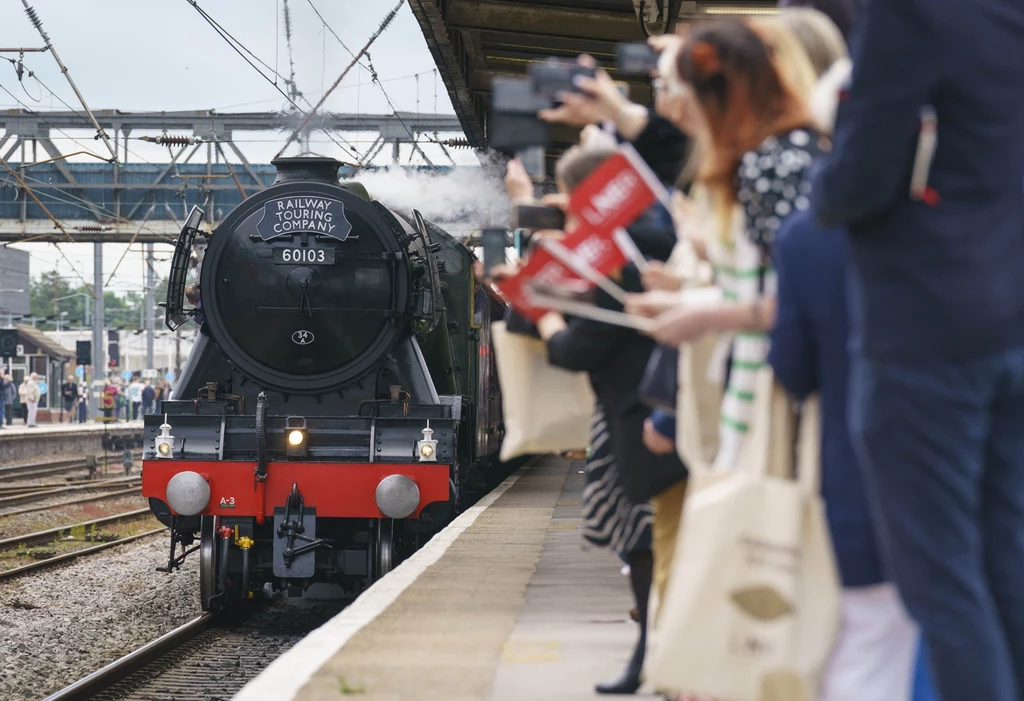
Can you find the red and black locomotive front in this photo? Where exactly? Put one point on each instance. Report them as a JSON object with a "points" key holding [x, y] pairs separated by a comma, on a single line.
{"points": [[305, 440]]}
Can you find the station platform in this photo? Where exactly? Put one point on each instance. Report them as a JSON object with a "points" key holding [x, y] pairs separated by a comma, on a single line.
{"points": [[68, 429], [503, 605], [20, 444]]}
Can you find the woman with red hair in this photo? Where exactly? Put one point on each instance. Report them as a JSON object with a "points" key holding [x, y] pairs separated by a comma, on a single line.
{"points": [[758, 142]]}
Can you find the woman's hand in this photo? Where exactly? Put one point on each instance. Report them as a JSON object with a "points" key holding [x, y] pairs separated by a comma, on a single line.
{"points": [[657, 276], [665, 42], [550, 324], [681, 325], [655, 442], [599, 100], [518, 184], [652, 304]]}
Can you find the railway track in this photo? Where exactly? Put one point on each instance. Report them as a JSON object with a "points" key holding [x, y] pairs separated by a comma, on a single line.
{"points": [[50, 535], [27, 495], [212, 656], [89, 687], [51, 467]]}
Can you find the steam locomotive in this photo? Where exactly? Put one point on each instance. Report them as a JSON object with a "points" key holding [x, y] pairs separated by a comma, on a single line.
{"points": [[341, 401]]}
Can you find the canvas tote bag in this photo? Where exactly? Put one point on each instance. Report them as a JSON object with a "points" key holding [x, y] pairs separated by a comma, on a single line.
{"points": [[546, 409], [752, 605]]}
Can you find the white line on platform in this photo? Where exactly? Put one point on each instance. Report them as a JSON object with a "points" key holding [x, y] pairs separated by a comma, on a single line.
{"points": [[289, 672]]}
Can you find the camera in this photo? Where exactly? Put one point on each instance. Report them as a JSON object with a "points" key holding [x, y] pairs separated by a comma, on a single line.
{"points": [[515, 125], [530, 216], [555, 76], [635, 57]]}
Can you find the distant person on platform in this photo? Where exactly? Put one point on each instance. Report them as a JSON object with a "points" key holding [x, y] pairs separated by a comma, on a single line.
{"points": [[23, 399], [68, 399], [135, 397], [148, 398], [10, 395], [32, 399], [109, 400], [3, 399], [83, 402]]}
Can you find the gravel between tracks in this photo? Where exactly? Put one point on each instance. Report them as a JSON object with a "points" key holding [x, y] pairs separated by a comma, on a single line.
{"points": [[59, 625], [22, 524]]}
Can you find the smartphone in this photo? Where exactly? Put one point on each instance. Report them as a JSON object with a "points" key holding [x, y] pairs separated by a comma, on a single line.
{"points": [[635, 57], [514, 124], [555, 76], [533, 161], [531, 216], [493, 243]]}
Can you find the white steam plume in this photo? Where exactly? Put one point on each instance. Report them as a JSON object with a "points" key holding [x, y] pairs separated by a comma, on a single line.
{"points": [[470, 198]]}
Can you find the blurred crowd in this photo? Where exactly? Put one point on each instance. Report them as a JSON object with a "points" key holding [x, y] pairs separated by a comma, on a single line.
{"points": [[119, 400], [866, 263]]}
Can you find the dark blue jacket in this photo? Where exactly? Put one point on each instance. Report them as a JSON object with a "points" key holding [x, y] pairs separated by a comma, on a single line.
{"points": [[809, 354], [942, 281]]}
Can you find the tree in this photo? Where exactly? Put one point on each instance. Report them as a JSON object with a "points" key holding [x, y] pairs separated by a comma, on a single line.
{"points": [[51, 294]]}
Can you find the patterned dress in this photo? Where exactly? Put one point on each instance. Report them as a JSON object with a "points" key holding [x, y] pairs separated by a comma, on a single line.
{"points": [[771, 184], [610, 519]]}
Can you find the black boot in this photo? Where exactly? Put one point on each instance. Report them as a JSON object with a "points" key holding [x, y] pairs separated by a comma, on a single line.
{"points": [[641, 570], [629, 681]]}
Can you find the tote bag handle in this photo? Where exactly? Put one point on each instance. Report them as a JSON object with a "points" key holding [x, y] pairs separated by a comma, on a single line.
{"points": [[783, 443]]}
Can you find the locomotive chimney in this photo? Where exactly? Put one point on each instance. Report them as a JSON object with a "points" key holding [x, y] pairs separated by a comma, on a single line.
{"points": [[318, 169]]}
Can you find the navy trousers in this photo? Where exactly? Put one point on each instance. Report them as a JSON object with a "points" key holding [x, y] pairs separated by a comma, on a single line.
{"points": [[942, 447]]}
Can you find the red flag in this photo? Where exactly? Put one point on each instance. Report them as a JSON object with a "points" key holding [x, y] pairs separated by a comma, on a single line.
{"points": [[587, 246], [614, 195], [541, 267]]}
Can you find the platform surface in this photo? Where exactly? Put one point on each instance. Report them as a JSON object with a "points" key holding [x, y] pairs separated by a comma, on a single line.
{"points": [[58, 429], [504, 605]]}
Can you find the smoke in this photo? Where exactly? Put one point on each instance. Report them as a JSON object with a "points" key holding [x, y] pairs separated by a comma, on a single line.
{"points": [[472, 198]]}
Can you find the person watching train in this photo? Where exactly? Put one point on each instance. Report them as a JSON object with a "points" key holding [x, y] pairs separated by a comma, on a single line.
{"points": [[937, 319], [621, 474]]}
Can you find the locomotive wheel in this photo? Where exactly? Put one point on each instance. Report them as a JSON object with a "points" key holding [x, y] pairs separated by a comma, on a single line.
{"points": [[384, 546], [208, 561]]}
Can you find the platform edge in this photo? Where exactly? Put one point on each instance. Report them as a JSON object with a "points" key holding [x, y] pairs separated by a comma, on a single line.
{"points": [[283, 678]]}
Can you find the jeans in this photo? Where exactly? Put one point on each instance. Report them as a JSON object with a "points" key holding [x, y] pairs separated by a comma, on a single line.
{"points": [[942, 450], [3, 412]]}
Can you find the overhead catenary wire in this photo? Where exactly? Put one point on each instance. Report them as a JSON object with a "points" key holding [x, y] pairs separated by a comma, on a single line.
{"points": [[242, 50], [54, 219], [74, 111], [333, 33], [68, 198], [50, 124], [374, 78], [37, 23], [388, 18]]}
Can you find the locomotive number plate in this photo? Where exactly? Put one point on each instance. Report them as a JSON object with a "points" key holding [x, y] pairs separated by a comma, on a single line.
{"points": [[304, 256]]}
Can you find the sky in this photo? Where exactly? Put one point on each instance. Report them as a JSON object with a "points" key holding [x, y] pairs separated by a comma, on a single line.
{"points": [[137, 55]]}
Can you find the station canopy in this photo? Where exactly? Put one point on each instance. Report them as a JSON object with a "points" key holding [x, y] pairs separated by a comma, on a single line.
{"points": [[474, 41]]}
